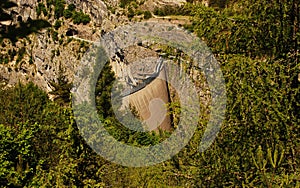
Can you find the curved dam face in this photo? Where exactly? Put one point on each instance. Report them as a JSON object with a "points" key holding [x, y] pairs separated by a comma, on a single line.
{"points": [[151, 103]]}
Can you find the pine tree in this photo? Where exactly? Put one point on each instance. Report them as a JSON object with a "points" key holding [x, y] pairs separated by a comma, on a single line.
{"points": [[61, 88]]}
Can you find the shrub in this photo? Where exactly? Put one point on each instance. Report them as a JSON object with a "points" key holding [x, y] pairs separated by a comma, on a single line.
{"points": [[41, 8], [71, 7], [50, 2], [139, 12], [124, 3], [59, 8], [4, 60], [80, 17], [85, 19], [57, 24], [68, 13], [147, 15], [130, 13], [54, 35]]}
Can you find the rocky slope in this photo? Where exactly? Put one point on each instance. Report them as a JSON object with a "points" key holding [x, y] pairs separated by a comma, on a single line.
{"points": [[39, 57], [42, 54]]}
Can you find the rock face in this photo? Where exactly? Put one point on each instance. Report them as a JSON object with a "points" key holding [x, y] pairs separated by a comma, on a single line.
{"points": [[51, 48], [26, 9], [95, 8], [41, 57]]}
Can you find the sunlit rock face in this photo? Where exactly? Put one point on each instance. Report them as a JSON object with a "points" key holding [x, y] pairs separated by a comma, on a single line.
{"points": [[44, 54], [50, 49]]}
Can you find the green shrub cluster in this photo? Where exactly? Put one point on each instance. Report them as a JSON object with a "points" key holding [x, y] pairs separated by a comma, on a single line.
{"points": [[77, 17], [124, 3], [41, 8], [32, 131], [261, 34], [59, 8], [57, 24], [69, 12], [4, 60], [80, 17], [54, 35], [147, 15], [170, 10]]}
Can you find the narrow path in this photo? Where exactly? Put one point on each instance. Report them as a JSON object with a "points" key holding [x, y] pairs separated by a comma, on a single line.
{"points": [[85, 40], [172, 19]]}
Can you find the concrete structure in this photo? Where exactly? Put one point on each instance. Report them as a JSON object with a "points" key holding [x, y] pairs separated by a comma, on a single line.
{"points": [[150, 98], [151, 103]]}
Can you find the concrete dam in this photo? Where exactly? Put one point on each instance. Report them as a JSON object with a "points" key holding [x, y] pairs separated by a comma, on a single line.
{"points": [[149, 95], [151, 103]]}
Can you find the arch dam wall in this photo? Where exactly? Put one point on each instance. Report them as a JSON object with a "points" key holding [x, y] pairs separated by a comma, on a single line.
{"points": [[151, 103]]}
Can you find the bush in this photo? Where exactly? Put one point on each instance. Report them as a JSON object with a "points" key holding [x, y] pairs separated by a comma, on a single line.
{"points": [[124, 3], [139, 12], [4, 60], [54, 35], [50, 2], [80, 17], [85, 19], [59, 8], [13, 106], [71, 7], [147, 15], [18, 158], [68, 13], [130, 13], [57, 24], [41, 8], [167, 10]]}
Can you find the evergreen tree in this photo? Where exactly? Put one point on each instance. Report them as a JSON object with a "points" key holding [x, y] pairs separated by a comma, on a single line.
{"points": [[61, 88]]}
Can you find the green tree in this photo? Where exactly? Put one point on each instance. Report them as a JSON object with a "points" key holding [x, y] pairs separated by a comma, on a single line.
{"points": [[18, 158], [61, 88], [103, 91], [22, 104], [57, 24], [59, 8], [80, 17], [41, 8], [147, 15], [68, 13], [71, 7]]}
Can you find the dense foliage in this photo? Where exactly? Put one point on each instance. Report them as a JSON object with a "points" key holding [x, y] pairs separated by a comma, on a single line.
{"points": [[257, 45], [61, 10]]}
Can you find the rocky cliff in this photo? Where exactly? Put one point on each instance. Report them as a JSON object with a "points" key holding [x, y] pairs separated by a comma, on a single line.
{"points": [[38, 57]]}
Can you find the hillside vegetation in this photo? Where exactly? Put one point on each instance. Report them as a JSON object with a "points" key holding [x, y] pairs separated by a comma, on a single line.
{"points": [[257, 44]]}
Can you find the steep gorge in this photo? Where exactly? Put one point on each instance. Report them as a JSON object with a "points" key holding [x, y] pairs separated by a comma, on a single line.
{"points": [[43, 57]]}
